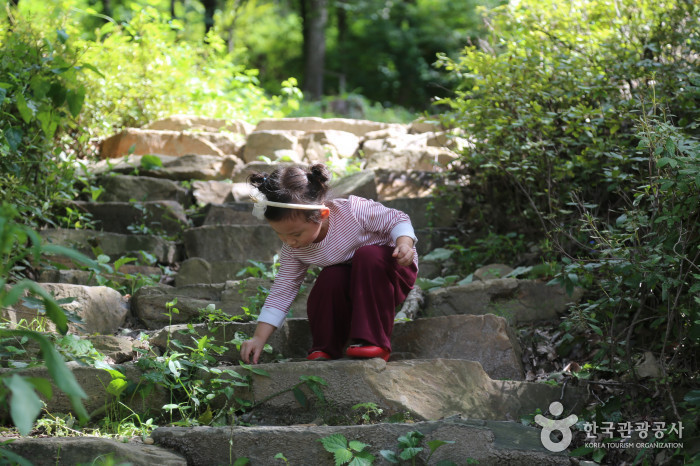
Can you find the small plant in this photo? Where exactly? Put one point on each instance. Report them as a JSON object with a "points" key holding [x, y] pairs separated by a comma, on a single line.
{"points": [[370, 410], [353, 452], [410, 447]]}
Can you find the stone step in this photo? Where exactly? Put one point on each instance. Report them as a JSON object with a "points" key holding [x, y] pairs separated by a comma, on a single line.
{"points": [[174, 143], [114, 245], [50, 451], [482, 442], [486, 339], [148, 304], [231, 242], [426, 389], [158, 217], [123, 188], [176, 168], [516, 300]]}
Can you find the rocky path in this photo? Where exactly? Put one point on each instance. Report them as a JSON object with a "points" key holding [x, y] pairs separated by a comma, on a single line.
{"points": [[174, 197]]}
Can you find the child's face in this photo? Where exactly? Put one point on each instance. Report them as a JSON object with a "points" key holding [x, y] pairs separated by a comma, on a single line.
{"points": [[297, 232]]}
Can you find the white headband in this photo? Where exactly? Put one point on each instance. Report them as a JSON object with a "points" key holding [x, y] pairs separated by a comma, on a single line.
{"points": [[261, 204]]}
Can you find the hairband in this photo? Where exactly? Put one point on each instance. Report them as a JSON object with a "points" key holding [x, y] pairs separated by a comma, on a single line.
{"points": [[261, 204]]}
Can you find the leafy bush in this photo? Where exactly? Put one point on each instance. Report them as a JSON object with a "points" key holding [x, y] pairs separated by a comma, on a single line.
{"points": [[147, 73], [40, 98], [585, 119]]}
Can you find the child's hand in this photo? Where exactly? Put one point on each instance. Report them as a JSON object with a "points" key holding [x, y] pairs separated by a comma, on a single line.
{"points": [[404, 250], [253, 346]]}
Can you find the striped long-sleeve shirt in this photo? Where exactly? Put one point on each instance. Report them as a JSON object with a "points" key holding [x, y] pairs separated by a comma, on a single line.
{"points": [[353, 223]]}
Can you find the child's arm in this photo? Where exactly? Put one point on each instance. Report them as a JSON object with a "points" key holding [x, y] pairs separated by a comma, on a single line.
{"points": [[256, 344], [404, 250]]}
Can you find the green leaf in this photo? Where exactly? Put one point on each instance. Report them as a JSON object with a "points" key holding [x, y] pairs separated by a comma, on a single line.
{"points": [[581, 451], [116, 387], [334, 442], [75, 99], [42, 385], [254, 370], [151, 162], [61, 35], [25, 405], [342, 456], [241, 461], [25, 112], [435, 444], [13, 136], [363, 458], [410, 452], [13, 457], [390, 456], [357, 445], [299, 396]]}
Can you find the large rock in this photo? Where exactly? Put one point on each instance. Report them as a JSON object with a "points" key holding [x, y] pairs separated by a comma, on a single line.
{"points": [[114, 245], [393, 184], [269, 143], [196, 270], [485, 443], [426, 158], [429, 389], [328, 145], [427, 212], [183, 168], [308, 124], [258, 166], [232, 242], [149, 302], [51, 451], [123, 188], [516, 300], [166, 217], [101, 309], [175, 143], [486, 339], [199, 123], [233, 213], [360, 184]]}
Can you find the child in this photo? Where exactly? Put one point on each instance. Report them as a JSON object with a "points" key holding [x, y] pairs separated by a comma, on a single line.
{"points": [[368, 259]]}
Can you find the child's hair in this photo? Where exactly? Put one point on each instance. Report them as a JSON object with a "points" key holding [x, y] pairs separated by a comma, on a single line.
{"points": [[293, 185]]}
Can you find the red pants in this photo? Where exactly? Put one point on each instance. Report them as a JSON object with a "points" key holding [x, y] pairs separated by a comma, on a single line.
{"points": [[358, 300]]}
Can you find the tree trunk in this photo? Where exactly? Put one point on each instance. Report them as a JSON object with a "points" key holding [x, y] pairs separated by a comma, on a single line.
{"points": [[342, 18], [314, 17], [209, 10], [172, 9]]}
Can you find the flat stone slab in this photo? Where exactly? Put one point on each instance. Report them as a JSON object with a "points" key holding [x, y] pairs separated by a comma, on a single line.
{"points": [[516, 300], [149, 302], [232, 242], [115, 245], [487, 443], [486, 339], [162, 217], [232, 213], [429, 389], [308, 124], [185, 167], [196, 270], [175, 143], [123, 188], [51, 451]]}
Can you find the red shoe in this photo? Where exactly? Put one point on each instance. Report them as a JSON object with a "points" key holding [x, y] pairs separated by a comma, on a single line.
{"points": [[368, 351], [318, 355]]}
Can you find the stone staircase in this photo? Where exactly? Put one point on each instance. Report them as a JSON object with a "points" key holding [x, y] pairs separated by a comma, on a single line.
{"points": [[455, 373]]}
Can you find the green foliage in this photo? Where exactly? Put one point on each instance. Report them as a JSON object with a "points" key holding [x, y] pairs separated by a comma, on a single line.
{"points": [[40, 98], [353, 453], [18, 243], [410, 447]]}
